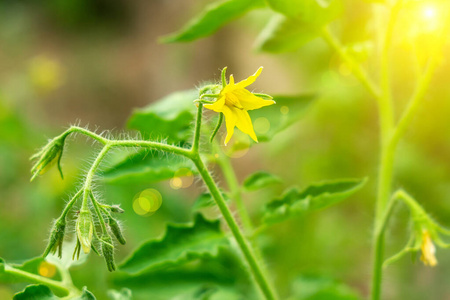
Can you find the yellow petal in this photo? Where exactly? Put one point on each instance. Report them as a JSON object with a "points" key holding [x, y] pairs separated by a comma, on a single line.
{"points": [[216, 106], [232, 100], [250, 79], [231, 80], [230, 122], [250, 101], [428, 250], [244, 123]]}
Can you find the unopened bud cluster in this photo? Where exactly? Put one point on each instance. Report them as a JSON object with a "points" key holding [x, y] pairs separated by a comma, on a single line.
{"points": [[48, 156]]}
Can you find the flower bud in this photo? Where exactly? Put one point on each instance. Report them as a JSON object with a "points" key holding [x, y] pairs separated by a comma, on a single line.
{"points": [[108, 252], [116, 209], [85, 229], [428, 250], [115, 229], [49, 155], [56, 238]]}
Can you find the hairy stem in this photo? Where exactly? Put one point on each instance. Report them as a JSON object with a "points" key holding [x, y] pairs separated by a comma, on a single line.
{"points": [[196, 140], [63, 287], [244, 245], [233, 185], [90, 175]]}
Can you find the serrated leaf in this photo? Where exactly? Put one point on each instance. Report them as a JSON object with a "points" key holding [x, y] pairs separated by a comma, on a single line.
{"points": [[169, 118], [42, 292], [147, 166], [180, 244], [314, 197], [214, 16], [311, 287], [297, 25], [260, 180], [223, 273], [286, 111]]}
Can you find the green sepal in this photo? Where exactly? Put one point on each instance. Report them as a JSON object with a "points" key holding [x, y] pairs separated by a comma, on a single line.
{"points": [[108, 252], [47, 156], [116, 230], [56, 238]]}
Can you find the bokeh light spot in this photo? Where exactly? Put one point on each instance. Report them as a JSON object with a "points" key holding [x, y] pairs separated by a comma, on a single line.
{"points": [[147, 202], [183, 178], [262, 125], [284, 110], [238, 146], [47, 269], [176, 183]]}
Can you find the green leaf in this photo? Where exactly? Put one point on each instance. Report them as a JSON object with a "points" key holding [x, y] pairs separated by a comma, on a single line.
{"points": [[311, 287], [147, 166], [42, 292], [316, 12], [314, 197], [222, 276], [298, 25], [169, 118], [29, 266], [260, 180], [206, 200], [277, 117], [282, 34], [180, 244], [123, 294], [36, 292], [214, 16]]}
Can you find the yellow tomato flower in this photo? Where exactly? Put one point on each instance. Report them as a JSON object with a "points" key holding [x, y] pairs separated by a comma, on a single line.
{"points": [[428, 250], [234, 101]]}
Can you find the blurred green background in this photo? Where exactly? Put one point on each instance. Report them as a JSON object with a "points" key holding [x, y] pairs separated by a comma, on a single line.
{"points": [[66, 62]]}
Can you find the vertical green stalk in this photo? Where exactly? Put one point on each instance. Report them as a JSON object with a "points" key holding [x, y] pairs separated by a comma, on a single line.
{"points": [[233, 185], [196, 142], [90, 175], [244, 245], [241, 240], [390, 136]]}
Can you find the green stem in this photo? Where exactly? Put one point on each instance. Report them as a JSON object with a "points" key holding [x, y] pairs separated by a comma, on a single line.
{"points": [[90, 175], [196, 141], [385, 103], [416, 100], [86, 132], [358, 72], [70, 204], [58, 286], [390, 136], [233, 185], [244, 245], [153, 145]]}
